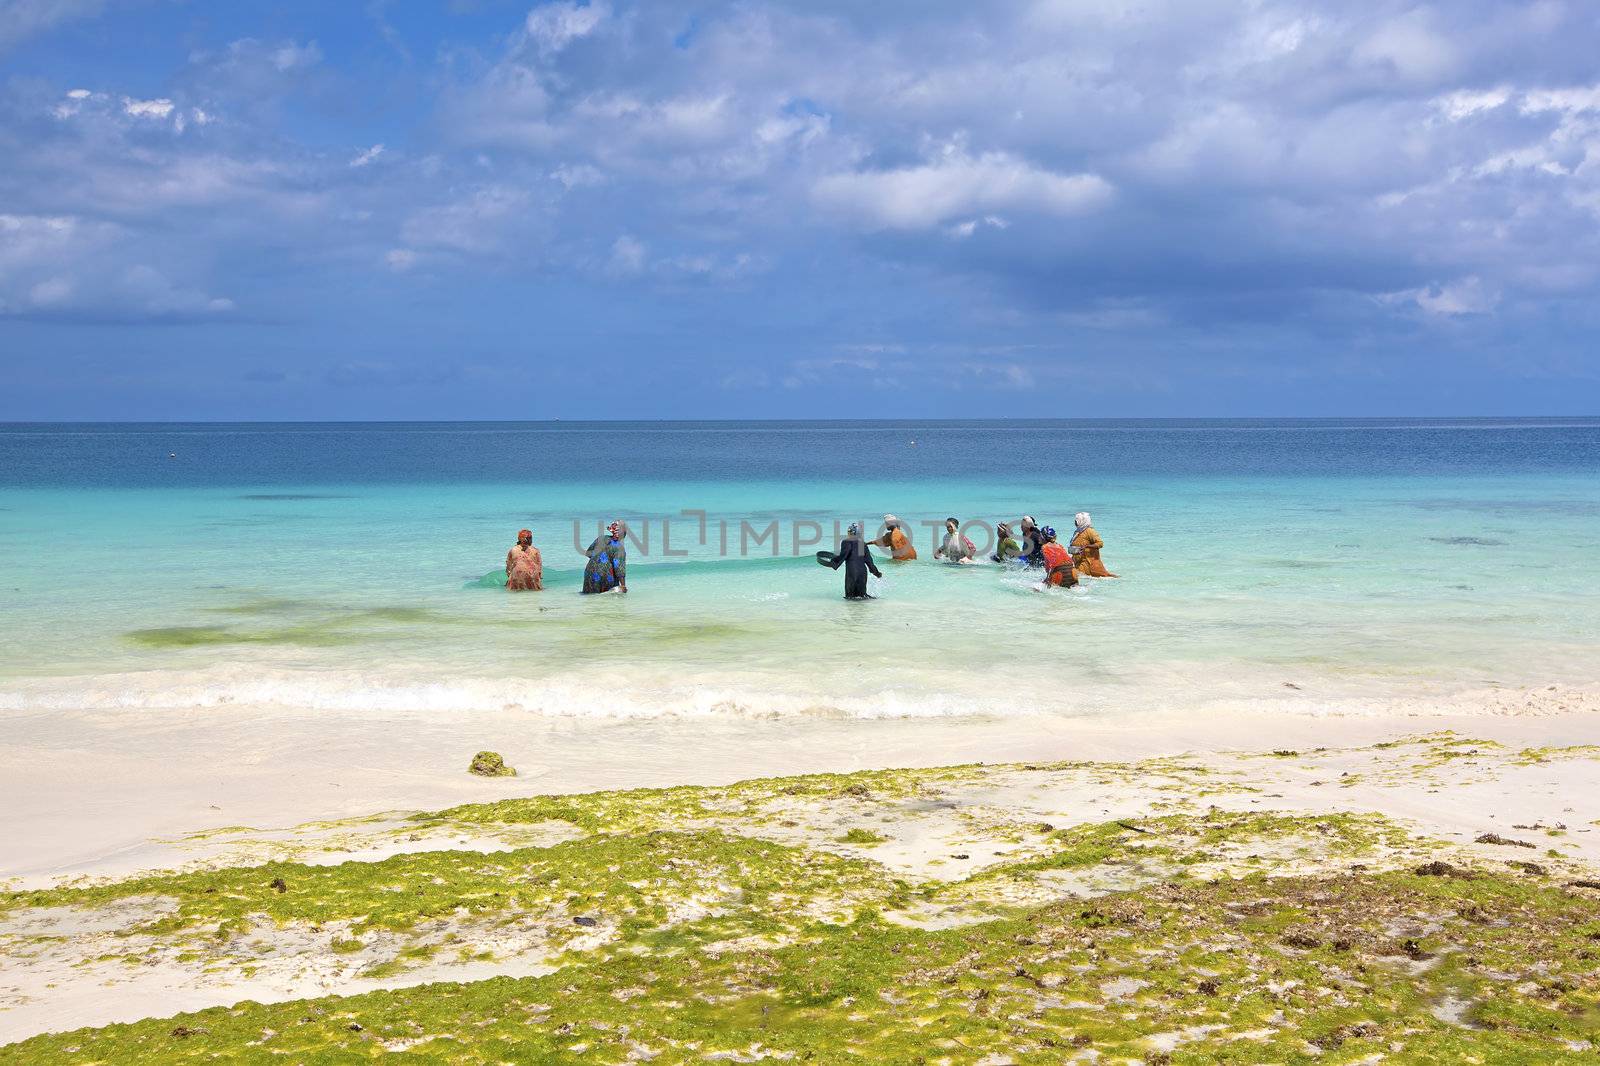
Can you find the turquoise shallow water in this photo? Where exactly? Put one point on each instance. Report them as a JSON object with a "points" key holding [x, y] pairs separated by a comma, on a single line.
{"points": [[1317, 565]]}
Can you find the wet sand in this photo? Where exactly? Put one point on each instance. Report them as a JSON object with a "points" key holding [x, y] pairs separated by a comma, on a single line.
{"points": [[95, 792]]}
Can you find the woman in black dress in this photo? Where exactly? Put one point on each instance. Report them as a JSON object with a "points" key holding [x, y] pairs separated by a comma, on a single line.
{"points": [[856, 558]]}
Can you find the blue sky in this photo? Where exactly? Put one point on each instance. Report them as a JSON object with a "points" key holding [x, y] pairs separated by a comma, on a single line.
{"points": [[1062, 208]]}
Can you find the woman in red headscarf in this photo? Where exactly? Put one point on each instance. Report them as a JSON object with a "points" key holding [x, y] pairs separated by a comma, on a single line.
{"points": [[524, 569]]}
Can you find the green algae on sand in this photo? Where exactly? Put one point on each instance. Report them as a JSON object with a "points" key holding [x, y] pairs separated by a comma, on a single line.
{"points": [[736, 923], [1405, 967], [490, 764], [205, 636]]}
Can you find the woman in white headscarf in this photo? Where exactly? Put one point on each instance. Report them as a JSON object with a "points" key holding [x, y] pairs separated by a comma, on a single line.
{"points": [[896, 539], [1032, 542], [1085, 548]]}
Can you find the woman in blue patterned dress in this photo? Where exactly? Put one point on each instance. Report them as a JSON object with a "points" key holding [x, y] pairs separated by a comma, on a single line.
{"points": [[608, 561]]}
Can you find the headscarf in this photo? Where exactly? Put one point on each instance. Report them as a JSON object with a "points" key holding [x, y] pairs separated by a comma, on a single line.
{"points": [[1004, 529], [1029, 520], [1047, 534], [1081, 519], [614, 530], [890, 520], [854, 530], [524, 534]]}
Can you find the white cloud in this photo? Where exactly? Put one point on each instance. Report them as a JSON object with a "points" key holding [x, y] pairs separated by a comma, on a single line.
{"points": [[400, 260], [1001, 376], [702, 267], [34, 247], [1114, 315], [292, 56], [367, 157], [1466, 296], [143, 113], [957, 184], [1411, 47], [251, 67], [745, 378], [138, 184], [694, 117], [963, 230], [577, 176], [627, 256], [477, 222], [507, 107], [146, 108], [56, 264], [1569, 150], [675, 119], [51, 292], [806, 372], [154, 294], [801, 130], [551, 27], [72, 104], [1464, 104], [1572, 101]]}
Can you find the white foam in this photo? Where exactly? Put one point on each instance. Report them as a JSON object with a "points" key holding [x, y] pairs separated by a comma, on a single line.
{"points": [[644, 693], [555, 697]]}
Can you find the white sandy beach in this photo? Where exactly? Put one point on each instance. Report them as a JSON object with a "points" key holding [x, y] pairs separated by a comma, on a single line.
{"points": [[107, 794], [95, 792]]}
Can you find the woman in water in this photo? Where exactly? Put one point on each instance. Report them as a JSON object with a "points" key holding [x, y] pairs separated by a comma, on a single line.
{"points": [[524, 570], [1005, 549], [608, 561], [1085, 548], [856, 558], [956, 547], [895, 539], [1032, 541], [1058, 569]]}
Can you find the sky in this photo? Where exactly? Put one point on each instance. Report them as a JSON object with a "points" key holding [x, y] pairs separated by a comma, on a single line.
{"points": [[480, 209]]}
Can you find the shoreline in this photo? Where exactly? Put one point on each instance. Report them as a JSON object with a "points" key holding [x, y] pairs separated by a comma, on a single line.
{"points": [[95, 793]]}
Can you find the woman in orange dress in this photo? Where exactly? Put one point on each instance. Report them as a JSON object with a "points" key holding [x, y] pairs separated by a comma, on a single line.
{"points": [[524, 569], [1058, 569], [1085, 548], [895, 539]]}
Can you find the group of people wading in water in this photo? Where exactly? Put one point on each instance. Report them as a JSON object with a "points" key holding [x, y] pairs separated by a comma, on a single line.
{"points": [[1030, 546], [606, 570], [1038, 548]]}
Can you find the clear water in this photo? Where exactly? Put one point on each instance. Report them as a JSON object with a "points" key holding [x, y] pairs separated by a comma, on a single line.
{"points": [[1316, 564]]}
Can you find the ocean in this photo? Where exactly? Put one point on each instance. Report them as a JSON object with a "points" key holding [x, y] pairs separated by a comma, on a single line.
{"points": [[1308, 565]]}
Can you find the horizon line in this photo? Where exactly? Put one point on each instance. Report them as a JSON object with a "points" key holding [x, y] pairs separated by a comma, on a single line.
{"points": [[10, 423]]}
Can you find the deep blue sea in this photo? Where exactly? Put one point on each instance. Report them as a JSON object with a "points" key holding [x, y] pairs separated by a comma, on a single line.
{"points": [[1309, 564]]}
